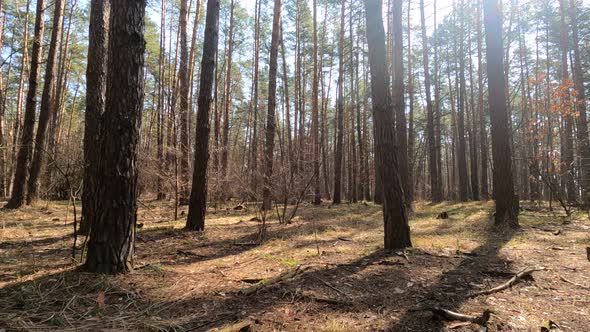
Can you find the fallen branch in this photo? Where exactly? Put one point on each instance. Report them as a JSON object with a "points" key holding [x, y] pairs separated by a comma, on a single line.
{"points": [[265, 283], [449, 315], [573, 283], [509, 283]]}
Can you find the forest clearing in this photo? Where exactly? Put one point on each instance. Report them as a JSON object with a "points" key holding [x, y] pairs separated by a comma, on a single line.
{"points": [[188, 281]]}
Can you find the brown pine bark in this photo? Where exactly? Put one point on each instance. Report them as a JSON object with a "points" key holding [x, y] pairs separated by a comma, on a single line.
{"points": [[46, 105], [270, 113], [397, 231], [198, 199], [506, 213], [112, 235], [17, 199], [96, 83], [20, 93]]}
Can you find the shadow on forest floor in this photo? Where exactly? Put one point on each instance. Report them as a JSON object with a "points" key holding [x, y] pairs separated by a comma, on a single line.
{"points": [[189, 281]]}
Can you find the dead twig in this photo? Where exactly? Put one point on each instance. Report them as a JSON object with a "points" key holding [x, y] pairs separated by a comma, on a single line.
{"points": [[564, 279], [449, 315], [509, 283]]}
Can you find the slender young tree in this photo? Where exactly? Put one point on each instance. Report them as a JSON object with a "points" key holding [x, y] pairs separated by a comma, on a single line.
{"points": [[184, 91], [270, 113], [96, 83], [17, 199], [398, 99], [112, 235], [227, 101], [198, 200], [435, 185], [337, 199], [315, 117], [506, 213], [395, 218]]}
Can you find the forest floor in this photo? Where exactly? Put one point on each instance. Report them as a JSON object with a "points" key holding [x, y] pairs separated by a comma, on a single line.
{"points": [[336, 276]]}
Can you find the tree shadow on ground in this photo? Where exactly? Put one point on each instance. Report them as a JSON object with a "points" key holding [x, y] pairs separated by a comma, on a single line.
{"points": [[484, 266]]}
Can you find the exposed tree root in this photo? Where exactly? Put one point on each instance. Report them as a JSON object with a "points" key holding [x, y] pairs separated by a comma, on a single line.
{"points": [[265, 283], [445, 314]]}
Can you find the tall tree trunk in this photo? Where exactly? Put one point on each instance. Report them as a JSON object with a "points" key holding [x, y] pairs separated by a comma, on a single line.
{"points": [[96, 84], [46, 105], [398, 99], [270, 114], [315, 117], [2, 113], [506, 213], [582, 122], [473, 124], [25, 151], [254, 140], [184, 91], [337, 199], [463, 179], [161, 104], [228, 103], [411, 136], [568, 152], [198, 199], [20, 94], [112, 235], [480, 105], [395, 218]]}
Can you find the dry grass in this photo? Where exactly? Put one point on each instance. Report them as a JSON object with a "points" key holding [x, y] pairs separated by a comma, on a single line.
{"points": [[189, 281]]}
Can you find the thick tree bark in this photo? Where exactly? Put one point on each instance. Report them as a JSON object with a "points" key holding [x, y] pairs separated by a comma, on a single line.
{"points": [[96, 84], [112, 235], [46, 105], [506, 213], [270, 113], [25, 151], [397, 231], [337, 199], [198, 200]]}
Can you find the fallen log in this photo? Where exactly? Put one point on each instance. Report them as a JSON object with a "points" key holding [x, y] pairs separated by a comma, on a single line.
{"points": [[268, 282], [509, 283]]}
